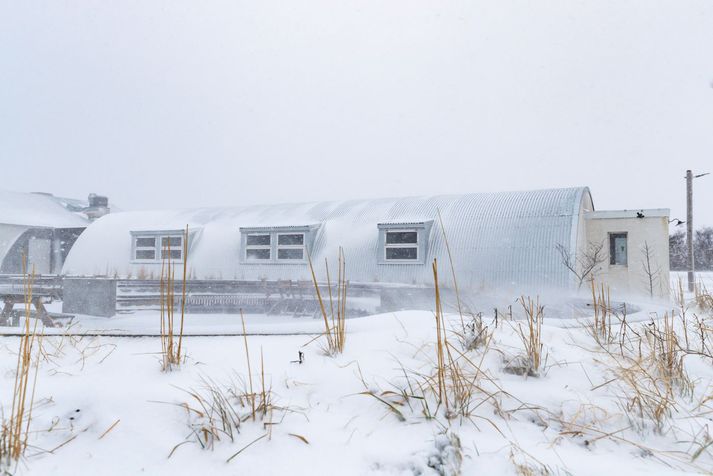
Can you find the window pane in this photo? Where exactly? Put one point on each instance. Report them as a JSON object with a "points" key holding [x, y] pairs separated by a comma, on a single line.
{"points": [[145, 242], [175, 254], [145, 254], [175, 241], [402, 253], [291, 239], [618, 249], [290, 253], [258, 254], [400, 237], [258, 240]]}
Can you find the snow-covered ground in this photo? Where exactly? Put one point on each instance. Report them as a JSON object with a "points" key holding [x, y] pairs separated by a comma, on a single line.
{"points": [[704, 277], [579, 416]]}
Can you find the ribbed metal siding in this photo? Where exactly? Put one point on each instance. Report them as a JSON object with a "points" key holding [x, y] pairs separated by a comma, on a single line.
{"points": [[496, 238]]}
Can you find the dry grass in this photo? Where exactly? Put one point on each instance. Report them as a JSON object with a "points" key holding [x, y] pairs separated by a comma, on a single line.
{"points": [[531, 336], [16, 429], [455, 386], [334, 322], [648, 378], [459, 385], [216, 412], [650, 375], [646, 386], [171, 337], [703, 298], [453, 272], [527, 465], [476, 334], [601, 304]]}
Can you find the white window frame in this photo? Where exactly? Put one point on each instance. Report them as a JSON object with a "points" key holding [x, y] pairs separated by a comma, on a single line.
{"points": [[308, 233], [172, 248], [158, 237], [612, 248], [388, 246], [422, 229], [136, 248], [247, 248], [302, 247]]}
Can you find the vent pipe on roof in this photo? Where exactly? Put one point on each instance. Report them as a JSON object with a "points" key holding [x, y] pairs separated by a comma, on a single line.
{"points": [[98, 206]]}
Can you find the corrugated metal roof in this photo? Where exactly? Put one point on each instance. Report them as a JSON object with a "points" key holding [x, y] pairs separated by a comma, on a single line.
{"points": [[496, 239]]}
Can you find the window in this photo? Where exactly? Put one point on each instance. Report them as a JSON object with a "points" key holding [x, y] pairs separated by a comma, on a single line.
{"points": [[283, 244], [618, 249], [145, 248], [257, 247], [171, 247], [155, 246], [403, 243], [290, 246]]}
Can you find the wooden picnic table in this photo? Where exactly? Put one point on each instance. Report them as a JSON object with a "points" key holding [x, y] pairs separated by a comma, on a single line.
{"points": [[44, 288]]}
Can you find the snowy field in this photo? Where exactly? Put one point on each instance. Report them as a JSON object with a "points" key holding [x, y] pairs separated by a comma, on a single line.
{"points": [[594, 406], [703, 277]]}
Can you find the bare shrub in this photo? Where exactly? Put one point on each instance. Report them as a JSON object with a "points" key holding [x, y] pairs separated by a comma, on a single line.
{"points": [[583, 265], [652, 271]]}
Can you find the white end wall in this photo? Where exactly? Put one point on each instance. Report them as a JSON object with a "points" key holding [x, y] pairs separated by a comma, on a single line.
{"points": [[632, 278], [8, 236]]}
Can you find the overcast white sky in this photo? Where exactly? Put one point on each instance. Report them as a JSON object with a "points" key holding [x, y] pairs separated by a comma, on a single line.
{"points": [[182, 104]]}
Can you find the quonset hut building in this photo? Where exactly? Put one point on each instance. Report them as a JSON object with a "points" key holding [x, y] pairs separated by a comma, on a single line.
{"points": [[42, 228], [509, 242]]}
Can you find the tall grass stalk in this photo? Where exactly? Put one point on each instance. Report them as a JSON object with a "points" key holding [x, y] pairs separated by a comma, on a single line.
{"points": [[601, 304], [334, 320], [532, 335], [456, 383], [247, 358], [171, 343], [453, 271], [217, 411], [441, 340], [15, 431]]}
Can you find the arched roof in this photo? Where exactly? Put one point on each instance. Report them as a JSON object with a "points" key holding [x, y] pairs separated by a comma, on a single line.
{"points": [[38, 210], [505, 238]]}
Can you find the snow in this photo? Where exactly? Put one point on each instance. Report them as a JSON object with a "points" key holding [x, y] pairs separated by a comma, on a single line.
{"points": [[490, 236], [537, 421], [33, 209]]}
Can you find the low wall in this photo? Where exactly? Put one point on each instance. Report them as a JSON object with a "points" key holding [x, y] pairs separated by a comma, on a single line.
{"points": [[92, 296]]}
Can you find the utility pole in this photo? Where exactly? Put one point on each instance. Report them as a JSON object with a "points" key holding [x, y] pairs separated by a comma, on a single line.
{"points": [[689, 231], [689, 228]]}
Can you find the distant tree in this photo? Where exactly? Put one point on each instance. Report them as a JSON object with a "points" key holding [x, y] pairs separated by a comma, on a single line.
{"points": [[702, 250], [677, 250], [583, 265]]}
